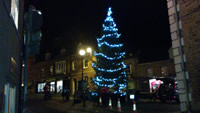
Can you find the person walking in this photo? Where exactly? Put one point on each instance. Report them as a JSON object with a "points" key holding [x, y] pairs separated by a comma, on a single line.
{"points": [[46, 91], [64, 93], [67, 95]]}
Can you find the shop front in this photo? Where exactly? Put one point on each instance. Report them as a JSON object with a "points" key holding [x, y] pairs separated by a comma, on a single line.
{"points": [[55, 86]]}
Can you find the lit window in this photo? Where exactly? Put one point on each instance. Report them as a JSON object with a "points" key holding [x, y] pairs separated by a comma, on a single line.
{"points": [[149, 72], [13, 65], [51, 70], [59, 86], [61, 67], [15, 11], [64, 67], [40, 87], [164, 70], [74, 65], [129, 69], [85, 63], [85, 78], [42, 72], [52, 86]]}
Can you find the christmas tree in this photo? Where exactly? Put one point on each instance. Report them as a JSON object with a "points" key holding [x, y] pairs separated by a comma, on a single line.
{"points": [[110, 70]]}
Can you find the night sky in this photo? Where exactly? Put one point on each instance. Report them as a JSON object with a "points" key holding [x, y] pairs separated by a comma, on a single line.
{"points": [[143, 25]]}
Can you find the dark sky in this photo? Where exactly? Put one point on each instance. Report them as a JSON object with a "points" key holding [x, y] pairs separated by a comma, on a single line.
{"points": [[143, 25]]}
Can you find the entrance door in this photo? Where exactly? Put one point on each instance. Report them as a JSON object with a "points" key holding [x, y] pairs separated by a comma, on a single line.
{"points": [[66, 84], [74, 88]]}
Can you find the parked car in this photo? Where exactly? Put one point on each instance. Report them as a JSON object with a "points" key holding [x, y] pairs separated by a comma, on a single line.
{"points": [[168, 90]]}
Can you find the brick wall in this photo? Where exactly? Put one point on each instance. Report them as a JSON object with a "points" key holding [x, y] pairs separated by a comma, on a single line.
{"points": [[190, 19], [184, 18], [156, 68]]}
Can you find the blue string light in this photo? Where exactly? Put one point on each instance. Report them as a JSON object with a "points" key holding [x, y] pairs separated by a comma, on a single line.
{"points": [[108, 35], [107, 79], [110, 45], [110, 58], [110, 70]]}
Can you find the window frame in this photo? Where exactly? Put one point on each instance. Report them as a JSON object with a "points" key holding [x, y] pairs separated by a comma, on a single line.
{"points": [[129, 70], [151, 69], [167, 70], [84, 63]]}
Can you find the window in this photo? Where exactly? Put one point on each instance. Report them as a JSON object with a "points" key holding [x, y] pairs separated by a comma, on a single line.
{"points": [[85, 78], [59, 86], [129, 69], [15, 11], [40, 87], [52, 86], [60, 67], [64, 67], [149, 72], [74, 65], [85, 63], [164, 70], [51, 70], [42, 72], [13, 66]]}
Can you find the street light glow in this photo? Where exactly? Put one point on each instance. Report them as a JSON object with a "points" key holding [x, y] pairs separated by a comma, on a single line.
{"points": [[89, 50], [82, 52], [39, 12]]}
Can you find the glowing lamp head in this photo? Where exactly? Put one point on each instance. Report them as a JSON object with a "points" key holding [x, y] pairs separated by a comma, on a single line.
{"points": [[82, 52], [89, 50], [39, 12]]}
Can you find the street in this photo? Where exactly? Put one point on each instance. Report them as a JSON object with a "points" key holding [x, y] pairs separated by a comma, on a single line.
{"points": [[36, 104]]}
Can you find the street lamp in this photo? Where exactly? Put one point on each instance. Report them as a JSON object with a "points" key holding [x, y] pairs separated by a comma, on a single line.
{"points": [[82, 52], [89, 50]]}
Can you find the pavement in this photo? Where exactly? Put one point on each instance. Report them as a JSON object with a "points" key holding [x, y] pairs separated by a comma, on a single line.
{"points": [[36, 104]]}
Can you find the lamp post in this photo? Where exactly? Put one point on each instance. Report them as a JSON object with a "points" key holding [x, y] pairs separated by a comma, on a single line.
{"points": [[32, 22], [82, 52]]}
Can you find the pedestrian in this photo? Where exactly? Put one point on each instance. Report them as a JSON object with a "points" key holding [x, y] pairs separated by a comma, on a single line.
{"points": [[67, 95], [64, 94], [84, 99], [46, 91]]}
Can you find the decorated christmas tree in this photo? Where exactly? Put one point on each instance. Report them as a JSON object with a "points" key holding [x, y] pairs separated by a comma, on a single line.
{"points": [[110, 70]]}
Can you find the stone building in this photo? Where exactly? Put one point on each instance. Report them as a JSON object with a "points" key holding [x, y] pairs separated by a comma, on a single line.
{"points": [[66, 72], [11, 41], [184, 27], [141, 74], [63, 72]]}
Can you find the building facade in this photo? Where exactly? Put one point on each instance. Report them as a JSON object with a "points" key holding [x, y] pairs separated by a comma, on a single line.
{"points": [[184, 27], [141, 75], [69, 71], [11, 41], [62, 72]]}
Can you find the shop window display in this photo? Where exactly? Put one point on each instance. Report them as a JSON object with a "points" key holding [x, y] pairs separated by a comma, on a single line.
{"points": [[59, 86]]}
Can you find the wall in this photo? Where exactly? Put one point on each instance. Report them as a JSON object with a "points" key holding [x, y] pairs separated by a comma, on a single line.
{"points": [[184, 26], [10, 47]]}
